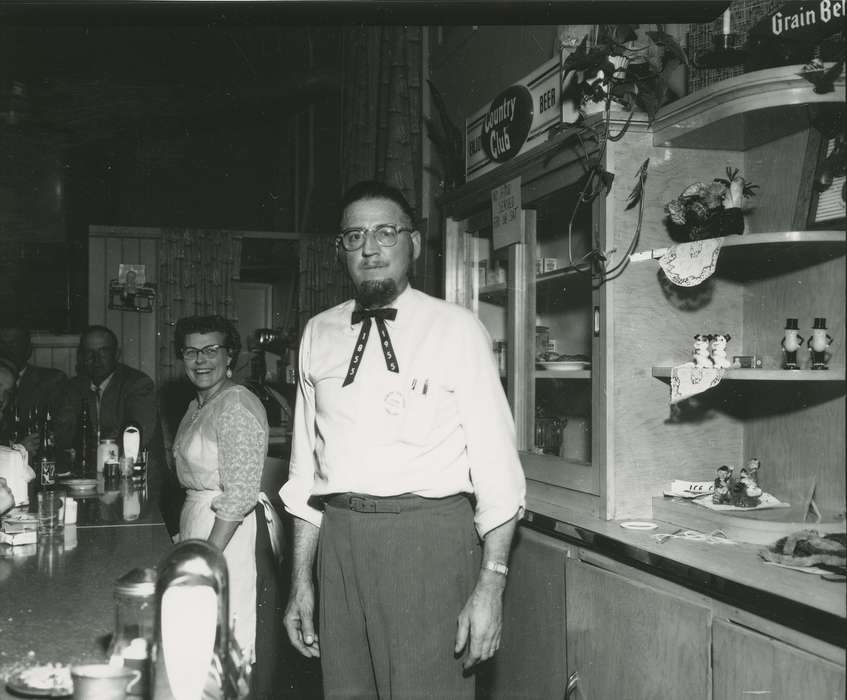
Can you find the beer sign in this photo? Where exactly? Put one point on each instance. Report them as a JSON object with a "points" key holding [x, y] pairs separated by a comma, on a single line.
{"points": [[514, 121]]}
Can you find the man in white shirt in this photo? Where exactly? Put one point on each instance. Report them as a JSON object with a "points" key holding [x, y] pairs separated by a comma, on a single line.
{"points": [[403, 459]]}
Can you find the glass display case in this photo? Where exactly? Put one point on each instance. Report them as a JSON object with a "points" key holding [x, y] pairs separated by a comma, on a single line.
{"points": [[537, 301]]}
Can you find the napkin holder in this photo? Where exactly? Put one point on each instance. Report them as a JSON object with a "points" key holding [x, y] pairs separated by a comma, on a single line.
{"points": [[17, 473], [196, 563]]}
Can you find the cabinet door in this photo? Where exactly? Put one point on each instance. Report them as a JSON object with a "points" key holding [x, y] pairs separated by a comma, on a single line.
{"points": [[748, 664], [531, 663], [630, 640]]}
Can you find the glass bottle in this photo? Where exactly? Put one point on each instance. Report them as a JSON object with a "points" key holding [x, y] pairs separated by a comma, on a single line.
{"points": [[84, 443], [135, 615], [47, 453]]}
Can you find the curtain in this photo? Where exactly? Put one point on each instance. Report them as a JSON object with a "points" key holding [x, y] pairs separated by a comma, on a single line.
{"points": [[199, 272], [323, 277], [380, 140], [381, 137]]}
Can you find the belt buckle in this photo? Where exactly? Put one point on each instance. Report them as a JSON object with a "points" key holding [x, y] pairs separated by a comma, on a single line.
{"points": [[362, 505]]}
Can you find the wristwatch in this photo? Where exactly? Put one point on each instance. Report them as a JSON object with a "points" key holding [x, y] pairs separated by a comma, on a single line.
{"points": [[496, 567]]}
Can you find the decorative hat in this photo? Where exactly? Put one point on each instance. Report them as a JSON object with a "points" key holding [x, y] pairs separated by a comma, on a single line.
{"points": [[791, 324], [820, 323]]}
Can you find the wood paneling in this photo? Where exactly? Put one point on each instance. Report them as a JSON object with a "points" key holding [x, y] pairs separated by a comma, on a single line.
{"points": [[647, 448], [627, 639], [531, 663], [57, 351], [749, 664], [136, 331]]}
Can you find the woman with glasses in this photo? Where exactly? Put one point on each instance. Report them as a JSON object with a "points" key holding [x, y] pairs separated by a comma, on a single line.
{"points": [[220, 449]]}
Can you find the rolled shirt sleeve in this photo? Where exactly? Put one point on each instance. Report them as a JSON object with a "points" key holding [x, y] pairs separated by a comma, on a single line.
{"points": [[241, 453], [295, 493], [495, 469]]}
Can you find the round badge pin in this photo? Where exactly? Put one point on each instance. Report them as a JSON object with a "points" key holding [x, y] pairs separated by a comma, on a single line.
{"points": [[394, 403]]}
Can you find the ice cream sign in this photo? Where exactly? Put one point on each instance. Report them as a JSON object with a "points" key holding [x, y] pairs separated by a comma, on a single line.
{"points": [[513, 121]]}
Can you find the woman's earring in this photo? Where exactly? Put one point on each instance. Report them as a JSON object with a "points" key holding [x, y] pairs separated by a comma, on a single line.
{"points": [[228, 372]]}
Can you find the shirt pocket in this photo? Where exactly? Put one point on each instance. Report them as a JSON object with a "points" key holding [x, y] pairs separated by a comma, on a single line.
{"points": [[420, 415]]}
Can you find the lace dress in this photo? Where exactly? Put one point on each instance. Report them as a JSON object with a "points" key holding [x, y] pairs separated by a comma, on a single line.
{"points": [[220, 450]]}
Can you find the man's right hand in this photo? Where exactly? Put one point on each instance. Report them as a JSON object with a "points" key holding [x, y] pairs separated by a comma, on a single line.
{"points": [[299, 619]]}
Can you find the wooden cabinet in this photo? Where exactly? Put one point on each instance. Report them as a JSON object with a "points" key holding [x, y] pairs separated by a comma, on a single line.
{"points": [[749, 664], [603, 438], [531, 661], [628, 639], [580, 625]]}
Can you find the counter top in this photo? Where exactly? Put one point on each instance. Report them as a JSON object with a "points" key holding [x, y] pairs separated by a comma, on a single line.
{"points": [[732, 573], [56, 601]]}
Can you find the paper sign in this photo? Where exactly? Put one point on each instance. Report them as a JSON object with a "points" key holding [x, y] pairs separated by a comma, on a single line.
{"points": [[506, 220]]}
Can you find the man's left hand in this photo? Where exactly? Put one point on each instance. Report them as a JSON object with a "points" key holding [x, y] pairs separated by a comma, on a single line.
{"points": [[481, 620]]}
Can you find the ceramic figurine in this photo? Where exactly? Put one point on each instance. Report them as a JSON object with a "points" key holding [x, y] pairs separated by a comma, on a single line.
{"points": [[701, 351], [753, 467], [745, 491], [721, 493], [791, 343], [717, 350], [818, 344]]}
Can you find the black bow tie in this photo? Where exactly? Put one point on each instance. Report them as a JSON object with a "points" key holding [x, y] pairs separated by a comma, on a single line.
{"points": [[360, 315], [364, 317]]}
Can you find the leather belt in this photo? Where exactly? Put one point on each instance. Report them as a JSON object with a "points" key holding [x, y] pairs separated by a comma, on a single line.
{"points": [[365, 504]]}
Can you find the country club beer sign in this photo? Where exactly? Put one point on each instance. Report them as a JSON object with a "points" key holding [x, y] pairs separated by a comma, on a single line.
{"points": [[513, 122]]}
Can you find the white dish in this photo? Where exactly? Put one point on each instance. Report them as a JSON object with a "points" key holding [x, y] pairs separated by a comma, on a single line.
{"points": [[80, 484], [565, 365], [638, 525]]}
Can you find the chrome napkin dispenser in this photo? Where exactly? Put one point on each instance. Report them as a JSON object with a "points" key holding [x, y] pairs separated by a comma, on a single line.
{"points": [[131, 442], [195, 655]]}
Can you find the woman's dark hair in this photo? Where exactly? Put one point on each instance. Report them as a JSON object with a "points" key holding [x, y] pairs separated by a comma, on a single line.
{"points": [[372, 189], [207, 324]]}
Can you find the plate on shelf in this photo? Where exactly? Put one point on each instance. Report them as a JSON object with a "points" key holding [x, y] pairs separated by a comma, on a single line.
{"points": [[565, 365], [80, 485], [44, 681]]}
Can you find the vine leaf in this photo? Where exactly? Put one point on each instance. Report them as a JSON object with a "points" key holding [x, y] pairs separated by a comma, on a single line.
{"points": [[447, 139], [638, 189]]}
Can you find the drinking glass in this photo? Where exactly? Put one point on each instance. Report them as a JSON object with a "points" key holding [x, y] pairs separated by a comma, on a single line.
{"points": [[50, 511]]}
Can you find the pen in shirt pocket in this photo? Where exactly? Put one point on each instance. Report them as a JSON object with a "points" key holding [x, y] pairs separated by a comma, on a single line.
{"points": [[424, 386]]}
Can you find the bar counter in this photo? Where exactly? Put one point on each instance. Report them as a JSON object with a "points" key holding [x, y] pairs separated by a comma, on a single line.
{"points": [[56, 601]]}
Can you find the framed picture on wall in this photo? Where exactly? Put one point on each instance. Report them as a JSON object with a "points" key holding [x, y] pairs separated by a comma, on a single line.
{"points": [[130, 291]]}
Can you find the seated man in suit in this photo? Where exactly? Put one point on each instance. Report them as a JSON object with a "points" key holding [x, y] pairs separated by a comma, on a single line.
{"points": [[38, 388], [113, 393]]}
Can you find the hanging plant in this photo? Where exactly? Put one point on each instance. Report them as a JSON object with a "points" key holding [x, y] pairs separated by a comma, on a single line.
{"points": [[710, 210], [626, 66]]}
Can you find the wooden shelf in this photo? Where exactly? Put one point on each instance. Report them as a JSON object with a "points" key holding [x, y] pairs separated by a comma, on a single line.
{"points": [[744, 111], [833, 374], [562, 374], [583, 269], [753, 255], [493, 293]]}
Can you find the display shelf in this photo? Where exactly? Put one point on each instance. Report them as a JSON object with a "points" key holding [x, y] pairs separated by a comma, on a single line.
{"points": [[804, 247], [493, 293], [833, 374], [562, 374], [563, 273], [744, 111]]}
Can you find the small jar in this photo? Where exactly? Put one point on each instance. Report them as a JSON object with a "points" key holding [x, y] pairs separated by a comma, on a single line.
{"points": [[135, 617], [107, 451]]}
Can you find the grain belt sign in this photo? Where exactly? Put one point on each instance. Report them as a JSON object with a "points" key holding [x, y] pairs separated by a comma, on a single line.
{"points": [[514, 122]]}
